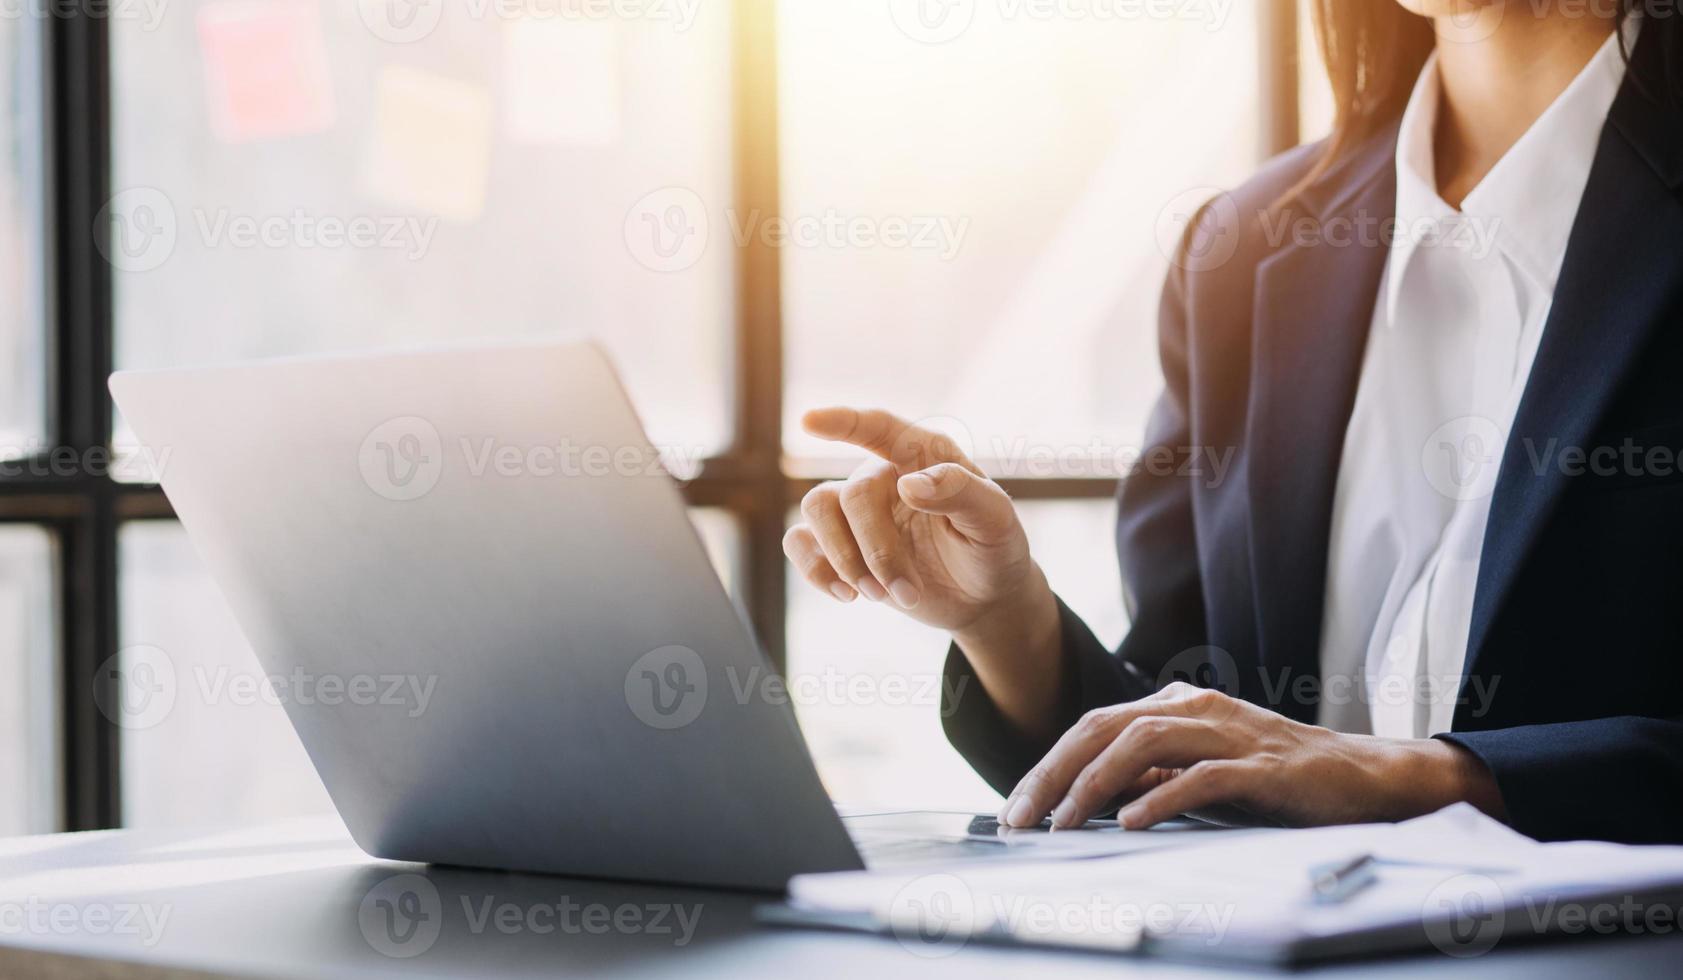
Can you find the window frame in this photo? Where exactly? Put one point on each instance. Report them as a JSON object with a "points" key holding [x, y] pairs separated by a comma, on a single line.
{"points": [[85, 510]]}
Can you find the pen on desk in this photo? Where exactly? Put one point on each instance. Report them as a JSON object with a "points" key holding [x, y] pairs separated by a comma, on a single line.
{"points": [[1334, 882]]}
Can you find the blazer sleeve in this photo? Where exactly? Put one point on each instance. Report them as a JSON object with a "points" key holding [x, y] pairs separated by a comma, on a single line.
{"points": [[1161, 582], [1617, 779]]}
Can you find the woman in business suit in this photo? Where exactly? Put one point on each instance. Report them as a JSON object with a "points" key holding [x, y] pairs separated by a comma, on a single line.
{"points": [[1445, 346]]}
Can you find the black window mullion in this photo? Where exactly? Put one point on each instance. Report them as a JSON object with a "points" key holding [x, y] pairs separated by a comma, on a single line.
{"points": [[759, 380], [80, 319]]}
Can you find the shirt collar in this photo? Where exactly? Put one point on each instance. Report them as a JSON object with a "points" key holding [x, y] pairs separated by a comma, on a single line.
{"points": [[1526, 206]]}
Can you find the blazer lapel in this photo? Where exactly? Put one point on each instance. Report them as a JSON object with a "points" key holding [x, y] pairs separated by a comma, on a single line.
{"points": [[1620, 275], [1314, 307]]}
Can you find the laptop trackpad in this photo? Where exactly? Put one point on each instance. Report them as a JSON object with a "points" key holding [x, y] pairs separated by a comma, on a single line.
{"points": [[933, 836]]}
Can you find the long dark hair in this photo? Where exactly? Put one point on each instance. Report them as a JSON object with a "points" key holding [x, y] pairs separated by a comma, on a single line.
{"points": [[1374, 51]]}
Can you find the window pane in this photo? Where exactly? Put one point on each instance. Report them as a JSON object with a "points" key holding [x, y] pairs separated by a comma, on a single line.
{"points": [[984, 200], [29, 787], [721, 535], [23, 360], [212, 744], [866, 680], [205, 746], [295, 176]]}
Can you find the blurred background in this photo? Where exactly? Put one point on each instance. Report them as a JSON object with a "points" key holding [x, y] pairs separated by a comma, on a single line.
{"points": [[957, 209]]}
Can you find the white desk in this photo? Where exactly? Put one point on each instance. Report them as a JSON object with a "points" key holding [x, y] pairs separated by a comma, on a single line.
{"points": [[299, 900]]}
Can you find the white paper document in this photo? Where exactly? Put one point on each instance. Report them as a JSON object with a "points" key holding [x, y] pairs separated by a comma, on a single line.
{"points": [[1455, 880]]}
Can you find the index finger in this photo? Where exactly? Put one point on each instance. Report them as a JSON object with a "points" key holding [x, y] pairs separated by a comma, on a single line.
{"points": [[883, 434], [1049, 781]]}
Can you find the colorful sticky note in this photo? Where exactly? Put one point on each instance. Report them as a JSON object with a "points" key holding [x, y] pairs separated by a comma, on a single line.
{"points": [[431, 144], [266, 72], [561, 81]]}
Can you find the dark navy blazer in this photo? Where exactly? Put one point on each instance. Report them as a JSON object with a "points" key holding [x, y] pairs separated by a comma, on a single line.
{"points": [[1577, 629]]}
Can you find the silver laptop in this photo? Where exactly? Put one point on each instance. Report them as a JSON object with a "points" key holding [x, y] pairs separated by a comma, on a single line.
{"points": [[492, 522]]}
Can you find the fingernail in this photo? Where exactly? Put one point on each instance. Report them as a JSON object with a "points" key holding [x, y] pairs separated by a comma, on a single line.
{"points": [[869, 588], [1064, 815], [842, 592], [1130, 818], [906, 594], [920, 485], [1004, 808], [1022, 812]]}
